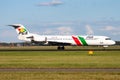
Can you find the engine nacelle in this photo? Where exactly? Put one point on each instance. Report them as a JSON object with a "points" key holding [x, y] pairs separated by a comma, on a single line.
{"points": [[38, 39]]}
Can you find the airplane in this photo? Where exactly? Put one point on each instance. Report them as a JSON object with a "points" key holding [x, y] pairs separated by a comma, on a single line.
{"points": [[62, 40], [52, 3]]}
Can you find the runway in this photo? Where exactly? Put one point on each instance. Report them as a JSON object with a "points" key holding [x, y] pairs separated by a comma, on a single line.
{"points": [[54, 48], [59, 50], [59, 70]]}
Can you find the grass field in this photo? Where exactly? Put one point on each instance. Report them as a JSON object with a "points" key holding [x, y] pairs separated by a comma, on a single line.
{"points": [[59, 59], [58, 76]]}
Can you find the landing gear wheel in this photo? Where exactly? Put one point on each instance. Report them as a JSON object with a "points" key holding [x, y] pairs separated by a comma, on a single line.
{"points": [[61, 48]]}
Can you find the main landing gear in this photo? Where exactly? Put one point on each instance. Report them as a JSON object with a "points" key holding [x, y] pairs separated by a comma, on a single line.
{"points": [[60, 48]]}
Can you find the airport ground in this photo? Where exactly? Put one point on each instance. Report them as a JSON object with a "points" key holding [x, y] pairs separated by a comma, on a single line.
{"points": [[46, 63]]}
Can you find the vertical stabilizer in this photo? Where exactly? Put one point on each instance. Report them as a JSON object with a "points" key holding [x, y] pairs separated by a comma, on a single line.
{"points": [[20, 29]]}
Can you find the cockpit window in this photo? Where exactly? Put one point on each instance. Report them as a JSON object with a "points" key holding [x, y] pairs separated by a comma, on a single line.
{"points": [[108, 39]]}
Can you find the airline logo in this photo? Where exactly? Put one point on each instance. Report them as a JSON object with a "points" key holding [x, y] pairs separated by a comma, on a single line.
{"points": [[22, 30], [80, 41]]}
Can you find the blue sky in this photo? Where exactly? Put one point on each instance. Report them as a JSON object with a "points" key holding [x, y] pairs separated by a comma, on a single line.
{"points": [[99, 17]]}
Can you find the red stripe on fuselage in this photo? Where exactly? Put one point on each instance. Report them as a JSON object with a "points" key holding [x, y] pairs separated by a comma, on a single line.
{"points": [[77, 41]]}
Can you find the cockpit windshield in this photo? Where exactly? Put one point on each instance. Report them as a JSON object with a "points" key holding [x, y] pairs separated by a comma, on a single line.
{"points": [[107, 38]]}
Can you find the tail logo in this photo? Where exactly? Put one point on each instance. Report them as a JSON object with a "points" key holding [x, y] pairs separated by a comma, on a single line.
{"points": [[22, 31]]}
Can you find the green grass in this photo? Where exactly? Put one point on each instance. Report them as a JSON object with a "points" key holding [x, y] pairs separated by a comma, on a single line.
{"points": [[58, 76], [59, 59]]}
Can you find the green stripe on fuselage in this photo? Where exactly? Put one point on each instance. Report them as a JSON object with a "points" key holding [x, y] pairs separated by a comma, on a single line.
{"points": [[83, 41]]}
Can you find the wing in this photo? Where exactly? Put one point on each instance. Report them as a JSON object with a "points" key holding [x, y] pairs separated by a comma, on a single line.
{"points": [[58, 43]]}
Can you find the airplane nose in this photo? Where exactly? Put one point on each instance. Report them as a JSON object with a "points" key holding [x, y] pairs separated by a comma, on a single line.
{"points": [[113, 42]]}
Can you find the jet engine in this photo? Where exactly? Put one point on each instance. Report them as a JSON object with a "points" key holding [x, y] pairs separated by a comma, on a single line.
{"points": [[38, 40]]}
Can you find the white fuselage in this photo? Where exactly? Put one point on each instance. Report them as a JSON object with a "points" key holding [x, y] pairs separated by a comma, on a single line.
{"points": [[72, 40]]}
